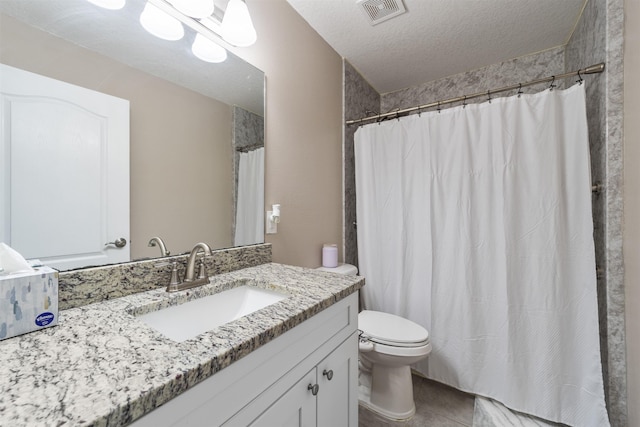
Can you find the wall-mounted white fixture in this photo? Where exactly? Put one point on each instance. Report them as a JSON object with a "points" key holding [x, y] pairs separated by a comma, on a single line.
{"points": [[164, 19], [273, 219], [233, 26], [109, 4], [194, 8], [237, 27], [160, 24], [275, 213], [208, 50]]}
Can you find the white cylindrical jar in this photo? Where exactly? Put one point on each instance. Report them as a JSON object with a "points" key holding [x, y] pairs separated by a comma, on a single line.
{"points": [[330, 255]]}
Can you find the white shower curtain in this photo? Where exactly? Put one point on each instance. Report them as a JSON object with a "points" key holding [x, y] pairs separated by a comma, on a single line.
{"points": [[250, 204], [476, 223]]}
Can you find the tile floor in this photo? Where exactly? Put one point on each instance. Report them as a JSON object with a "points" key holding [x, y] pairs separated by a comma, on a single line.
{"points": [[437, 405]]}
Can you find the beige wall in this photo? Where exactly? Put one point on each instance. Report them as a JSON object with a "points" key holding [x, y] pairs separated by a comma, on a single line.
{"points": [[181, 179], [303, 136], [632, 204]]}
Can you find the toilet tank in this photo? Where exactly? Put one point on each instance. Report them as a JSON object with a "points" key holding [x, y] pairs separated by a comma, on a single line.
{"points": [[346, 269]]}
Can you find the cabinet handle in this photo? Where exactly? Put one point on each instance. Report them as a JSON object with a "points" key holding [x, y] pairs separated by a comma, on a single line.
{"points": [[328, 374], [314, 388]]}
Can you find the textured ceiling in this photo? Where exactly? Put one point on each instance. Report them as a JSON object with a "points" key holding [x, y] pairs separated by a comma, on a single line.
{"points": [[118, 35], [439, 38]]}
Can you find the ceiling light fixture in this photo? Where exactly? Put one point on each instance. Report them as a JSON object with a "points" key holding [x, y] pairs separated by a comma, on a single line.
{"points": [[161, 24], [164, 19], [208, 50], [237, 27], [109, 4], [194, 8]]}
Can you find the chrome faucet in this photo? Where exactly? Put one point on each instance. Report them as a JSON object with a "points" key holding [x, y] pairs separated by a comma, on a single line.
{"points": [[159, 242], [190, 279]]}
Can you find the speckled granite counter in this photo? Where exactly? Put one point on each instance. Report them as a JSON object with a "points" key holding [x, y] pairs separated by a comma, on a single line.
{"points": [[103, 366]]}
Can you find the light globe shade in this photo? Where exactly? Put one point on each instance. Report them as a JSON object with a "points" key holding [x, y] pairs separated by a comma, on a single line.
{"points": [[237, 27], [160, 24], [194, 8], [109, 4], [208, 50]]}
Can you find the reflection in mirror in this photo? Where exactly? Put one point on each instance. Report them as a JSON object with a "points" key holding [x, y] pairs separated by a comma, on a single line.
{"points": [[193, 124]]}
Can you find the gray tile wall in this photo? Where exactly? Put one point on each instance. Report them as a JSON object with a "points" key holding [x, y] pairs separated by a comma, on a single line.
{"points": [[360, 100], [598, 37], [494, 76]]}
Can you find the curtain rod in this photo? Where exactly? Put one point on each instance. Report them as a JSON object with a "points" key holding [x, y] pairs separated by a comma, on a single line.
{"points": [[593, 69], [247, 148]]}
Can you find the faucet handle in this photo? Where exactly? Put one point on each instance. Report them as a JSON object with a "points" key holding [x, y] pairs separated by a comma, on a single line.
{"points": [[174, 282], [174, 274], [174, 270], [202, 270]]}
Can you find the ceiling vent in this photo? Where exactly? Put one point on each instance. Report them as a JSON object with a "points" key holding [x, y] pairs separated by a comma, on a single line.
{"points": [[378, 11]]}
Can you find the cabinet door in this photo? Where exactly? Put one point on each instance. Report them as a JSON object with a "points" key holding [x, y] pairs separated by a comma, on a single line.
{"points": [[295, 408], [338, 381]]}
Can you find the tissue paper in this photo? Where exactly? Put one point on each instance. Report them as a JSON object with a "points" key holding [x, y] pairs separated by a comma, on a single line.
{"points": [[11, 261], [28, 301]]}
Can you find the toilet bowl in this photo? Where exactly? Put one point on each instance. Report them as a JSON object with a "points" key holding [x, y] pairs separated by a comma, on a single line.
{"points": [[387, 346]]}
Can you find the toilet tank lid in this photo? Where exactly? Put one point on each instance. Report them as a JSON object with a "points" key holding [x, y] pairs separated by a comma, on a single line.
{"points": [[346, 269], [391, 328]]}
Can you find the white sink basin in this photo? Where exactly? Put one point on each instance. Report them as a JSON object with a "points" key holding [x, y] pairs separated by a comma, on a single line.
{"points": [[188, 320]]}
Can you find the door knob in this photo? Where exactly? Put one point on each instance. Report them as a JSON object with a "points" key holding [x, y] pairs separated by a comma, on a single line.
{"points": [[314, 388], [118, 243], [328, 374]]}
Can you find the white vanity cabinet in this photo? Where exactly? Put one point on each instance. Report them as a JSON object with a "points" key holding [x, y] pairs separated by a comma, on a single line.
{"points": [[306, 377], [314, 399]]}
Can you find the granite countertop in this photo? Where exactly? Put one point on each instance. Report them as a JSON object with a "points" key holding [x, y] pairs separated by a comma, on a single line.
{"points": [[103, 366]]}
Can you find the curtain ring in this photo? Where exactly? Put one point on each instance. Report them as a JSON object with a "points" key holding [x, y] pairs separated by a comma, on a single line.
{"points": [[580, 79], [378, 119], [489, 96], [553, 80], [464, 102], [438, 106], [420, 111], [519, 89]]}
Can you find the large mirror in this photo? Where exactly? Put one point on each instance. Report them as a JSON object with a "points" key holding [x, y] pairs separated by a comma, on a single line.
{"points": [[191, 122]]}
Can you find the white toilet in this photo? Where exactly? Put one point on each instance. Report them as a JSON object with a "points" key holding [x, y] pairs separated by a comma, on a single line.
{"points": [[388, 345]]}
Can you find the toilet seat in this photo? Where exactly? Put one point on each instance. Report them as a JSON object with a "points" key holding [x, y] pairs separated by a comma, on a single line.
{"points": [[396, 351], [391, 330]]}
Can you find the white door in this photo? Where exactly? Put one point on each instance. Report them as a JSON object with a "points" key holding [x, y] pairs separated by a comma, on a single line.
{"points": [[64, 186]]}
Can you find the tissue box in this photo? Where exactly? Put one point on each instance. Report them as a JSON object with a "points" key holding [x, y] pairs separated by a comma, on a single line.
{"points": [[28, 301]]}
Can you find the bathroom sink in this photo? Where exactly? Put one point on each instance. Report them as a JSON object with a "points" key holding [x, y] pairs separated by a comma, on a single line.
{"points": [[188, 320]]}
